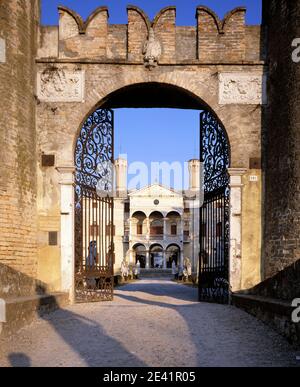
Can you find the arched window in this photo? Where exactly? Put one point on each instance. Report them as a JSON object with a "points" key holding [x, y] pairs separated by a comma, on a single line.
{"points": [[140, 255]]}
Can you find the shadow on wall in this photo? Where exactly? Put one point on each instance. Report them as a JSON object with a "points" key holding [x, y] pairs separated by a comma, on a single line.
{"points": [[285, 285], [13, 283]]}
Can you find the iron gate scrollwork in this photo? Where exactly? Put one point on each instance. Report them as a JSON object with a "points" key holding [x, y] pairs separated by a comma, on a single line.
{"points": [[214, 214], [94, 247]]}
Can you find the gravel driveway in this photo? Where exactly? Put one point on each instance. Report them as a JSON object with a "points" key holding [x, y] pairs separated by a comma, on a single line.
{"points": [[150, 323]]}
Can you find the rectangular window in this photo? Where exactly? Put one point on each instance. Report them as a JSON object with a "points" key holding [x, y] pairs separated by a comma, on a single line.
{"points": [[52, 238], [186, 233], [187, 210], [173, 229], [48, 160], [157, 230], [139, 229], [127, 207]]}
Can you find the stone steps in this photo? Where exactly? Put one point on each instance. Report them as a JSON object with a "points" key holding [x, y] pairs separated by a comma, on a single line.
{"points": [[156, 273]]}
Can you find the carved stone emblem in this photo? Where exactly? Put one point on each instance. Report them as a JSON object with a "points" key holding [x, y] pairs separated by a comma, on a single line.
{"points": [[152, 51], [59, 85], [237, 88]]}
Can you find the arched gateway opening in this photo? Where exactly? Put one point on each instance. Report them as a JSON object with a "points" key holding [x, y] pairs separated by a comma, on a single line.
{"points": [[94, 212]]}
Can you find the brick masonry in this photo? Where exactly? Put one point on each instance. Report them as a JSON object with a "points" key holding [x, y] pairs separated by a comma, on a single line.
{"points": [[282, 139], [210, 40], [18, 186]]}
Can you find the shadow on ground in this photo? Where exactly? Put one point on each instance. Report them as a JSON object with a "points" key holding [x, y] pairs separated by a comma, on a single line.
{"points": [[154, 323]]}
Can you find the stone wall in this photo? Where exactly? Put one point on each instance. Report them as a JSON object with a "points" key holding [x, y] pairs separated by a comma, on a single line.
{"points": [[210, 40], [285, 285], [282, 138], [18, 247]]}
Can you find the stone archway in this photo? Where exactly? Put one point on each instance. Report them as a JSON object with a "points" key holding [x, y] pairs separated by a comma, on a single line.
{"points": [[78, 66], [156, 256], [72, 85], [132, 96], [172, 255], [140, 254], [180, 98]]}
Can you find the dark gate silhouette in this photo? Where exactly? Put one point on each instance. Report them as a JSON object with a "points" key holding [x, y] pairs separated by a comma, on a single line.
{"points": [[214, 214], [94, 247]]}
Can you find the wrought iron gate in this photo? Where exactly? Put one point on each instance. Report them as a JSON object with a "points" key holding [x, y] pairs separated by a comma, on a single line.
{"points": [[214, 214], [94, 247]]}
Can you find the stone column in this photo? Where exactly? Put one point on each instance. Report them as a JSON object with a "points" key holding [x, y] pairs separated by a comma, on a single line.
{"points": [[130, 229], [130, 256], [181, 233], [67, 229], [164, 259], [148, 229], [165, 228], [181, 257], [235, 219], [147, 260]]}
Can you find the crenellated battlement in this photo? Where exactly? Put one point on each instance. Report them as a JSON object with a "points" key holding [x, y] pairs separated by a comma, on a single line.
{"points": [[210, 40]]}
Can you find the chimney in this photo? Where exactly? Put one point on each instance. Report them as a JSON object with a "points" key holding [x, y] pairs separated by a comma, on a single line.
{"points": [[194, 172], [121, 176]]}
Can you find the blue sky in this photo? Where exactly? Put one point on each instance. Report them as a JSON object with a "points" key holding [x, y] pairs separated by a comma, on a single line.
{"points": [[157, 135], [154, 134], [117, 8]]}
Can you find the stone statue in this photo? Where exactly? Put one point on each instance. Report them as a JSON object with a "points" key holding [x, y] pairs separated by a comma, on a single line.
{"points": [[174, 270], [186, 261], [135, 271], [138, 267], [189, 268], [173, 267], [124, 269], [187, 271], [151, 51]]}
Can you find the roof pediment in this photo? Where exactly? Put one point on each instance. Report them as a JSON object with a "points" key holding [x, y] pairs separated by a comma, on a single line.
{"points": [[155, 190]]}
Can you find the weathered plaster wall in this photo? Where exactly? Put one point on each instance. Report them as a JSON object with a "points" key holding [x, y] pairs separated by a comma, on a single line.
{"points": [[251, 229], [18, 225]]}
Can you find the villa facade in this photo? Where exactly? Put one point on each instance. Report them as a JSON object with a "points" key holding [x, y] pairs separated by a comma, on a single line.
{"points": [[156, 225]]}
